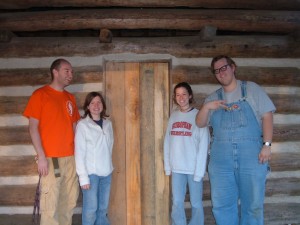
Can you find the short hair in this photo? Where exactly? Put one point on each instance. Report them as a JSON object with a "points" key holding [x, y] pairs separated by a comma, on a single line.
{"points": [[217, 58], [56, 65], [187, 87], [88, 99]]}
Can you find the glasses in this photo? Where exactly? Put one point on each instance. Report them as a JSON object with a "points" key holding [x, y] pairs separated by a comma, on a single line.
{"points": [[222, 68]]}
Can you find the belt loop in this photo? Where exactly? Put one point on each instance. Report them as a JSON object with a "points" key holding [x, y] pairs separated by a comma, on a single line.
{"points": [[56, 167]]}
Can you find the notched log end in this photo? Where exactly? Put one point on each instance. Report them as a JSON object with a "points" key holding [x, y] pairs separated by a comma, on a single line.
{"points": [[105, 36], [6, 36], [208, 33], [295, 36]]}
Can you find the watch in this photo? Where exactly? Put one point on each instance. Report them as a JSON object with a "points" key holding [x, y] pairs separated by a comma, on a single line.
{"points": [[267, 143]]}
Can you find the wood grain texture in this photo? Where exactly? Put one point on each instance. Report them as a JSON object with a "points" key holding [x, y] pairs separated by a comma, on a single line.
{"points": [[114, 94], [251, 46], [161, 109], [245, 4], [148, 175], [132, 144], [176, 19], [38, 76], [285, 76]]}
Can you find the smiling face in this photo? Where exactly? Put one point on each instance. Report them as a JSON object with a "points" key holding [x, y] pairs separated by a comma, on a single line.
{"points": [[95, 107], [63, 75], [182, 98], [224, 73]]}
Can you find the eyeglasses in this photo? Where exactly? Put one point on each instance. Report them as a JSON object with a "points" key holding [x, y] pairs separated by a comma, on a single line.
{"points": [[222, 68]]}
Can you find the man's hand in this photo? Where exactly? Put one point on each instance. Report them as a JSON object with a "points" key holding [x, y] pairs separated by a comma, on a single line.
{"points": [[265, 154], [43, 166], [213, 105]]}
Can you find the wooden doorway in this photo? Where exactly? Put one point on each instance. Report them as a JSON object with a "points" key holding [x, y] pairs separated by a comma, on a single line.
{"points": [[137, 96]]}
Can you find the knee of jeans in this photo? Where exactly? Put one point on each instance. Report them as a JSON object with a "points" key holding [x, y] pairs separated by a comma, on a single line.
{"points": [[103, 210], [88, 217], [197, 205], [178, 204]]}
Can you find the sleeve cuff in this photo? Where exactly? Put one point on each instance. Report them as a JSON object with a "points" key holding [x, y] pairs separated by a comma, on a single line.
{"points": [[84, 180], [168, 173], [197, 178]]}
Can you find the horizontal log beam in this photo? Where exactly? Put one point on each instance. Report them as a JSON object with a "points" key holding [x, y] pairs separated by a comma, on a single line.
{"points": [[18, 166], [287, 186], [14, 136], [235, 46], [26, 219], [285, 104], [261, 75], [283, 76], [177, 19], [26, 166], [17, 195], [37, 76], [287, 133], [23, 195], [244, 4], [286, 213], [277, 213], [6, 36], [8, 104]]}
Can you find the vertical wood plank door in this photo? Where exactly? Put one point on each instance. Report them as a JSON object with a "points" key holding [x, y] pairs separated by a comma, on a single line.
{"points": [[137, 97]]}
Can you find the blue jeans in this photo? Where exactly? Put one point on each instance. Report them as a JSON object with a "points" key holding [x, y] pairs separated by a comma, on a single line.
{"points": [[96, 200], [179, 183]]}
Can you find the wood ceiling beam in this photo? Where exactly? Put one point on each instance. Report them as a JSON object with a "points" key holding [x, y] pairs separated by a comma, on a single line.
{"points": [[177, 19], [235, 46], [233, 4]]}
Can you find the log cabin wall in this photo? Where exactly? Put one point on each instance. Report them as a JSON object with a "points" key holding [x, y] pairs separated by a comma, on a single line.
{"points": [[263, 38]]}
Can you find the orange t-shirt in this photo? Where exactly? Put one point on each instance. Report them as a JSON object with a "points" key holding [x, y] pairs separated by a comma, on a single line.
{"points": [[56, 112]]}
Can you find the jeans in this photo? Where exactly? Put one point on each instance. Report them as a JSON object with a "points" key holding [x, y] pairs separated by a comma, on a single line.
{"points": [[179, 183], [96, 200]]}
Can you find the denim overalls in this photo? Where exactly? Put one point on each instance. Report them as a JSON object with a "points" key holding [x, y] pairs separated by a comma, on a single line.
{"points": [[234, 169]]}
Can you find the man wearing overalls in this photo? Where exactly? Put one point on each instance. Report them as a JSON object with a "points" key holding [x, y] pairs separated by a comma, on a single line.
{"points": [[241, 116]]}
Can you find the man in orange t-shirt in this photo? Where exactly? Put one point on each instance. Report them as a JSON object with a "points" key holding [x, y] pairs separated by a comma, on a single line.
{"points": [[53, 115]]}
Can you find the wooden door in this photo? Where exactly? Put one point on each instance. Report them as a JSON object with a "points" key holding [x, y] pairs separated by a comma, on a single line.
{"points": [[137, 96]]}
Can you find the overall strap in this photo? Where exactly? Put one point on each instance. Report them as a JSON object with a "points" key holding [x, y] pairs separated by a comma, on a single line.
{"points": [[220, 94], [244, 89]]}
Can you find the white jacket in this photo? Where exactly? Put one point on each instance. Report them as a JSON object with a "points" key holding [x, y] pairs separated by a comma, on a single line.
{"points": [[93, 149]]}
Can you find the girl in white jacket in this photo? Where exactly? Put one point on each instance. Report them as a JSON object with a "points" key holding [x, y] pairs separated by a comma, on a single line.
{"points": [[93, 155], [185, 154]]}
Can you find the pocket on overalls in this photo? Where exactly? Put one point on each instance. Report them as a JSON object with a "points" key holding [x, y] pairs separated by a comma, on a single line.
{"points": [[233, 117]]}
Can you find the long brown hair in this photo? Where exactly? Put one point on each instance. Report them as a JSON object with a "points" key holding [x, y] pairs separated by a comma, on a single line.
{"points": [[187, 87], [90, 96]]}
